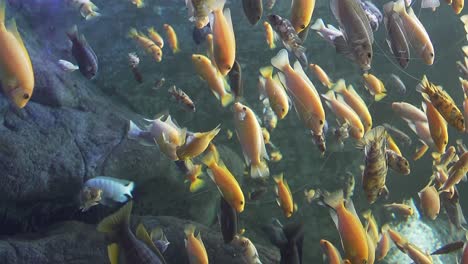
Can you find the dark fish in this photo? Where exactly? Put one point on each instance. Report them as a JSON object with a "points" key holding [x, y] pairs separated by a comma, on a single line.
{"points": [[373, 14], [289, 37], [463, 69], [397, 162], [199, 34], [397, 84], [357, 31], [253, 10], [235, 80], [288, 239], [83, 54], [137, 75], [257, 193], [396, 36], [449, 248], [136, 249], [159, 83], [453, 209], [228, 221]]}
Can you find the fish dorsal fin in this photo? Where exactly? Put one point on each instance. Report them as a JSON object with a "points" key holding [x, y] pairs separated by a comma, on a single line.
{"points": [[14, 30], [298, 69], [143, 235], [113, 253], [198, 237], [227, 15]]}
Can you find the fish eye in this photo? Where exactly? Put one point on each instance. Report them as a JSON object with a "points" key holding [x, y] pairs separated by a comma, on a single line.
{"points": [[282, 110], [302, 26], [369, 55], [244, 108], [432, 54], [242, 202], [321, 122], [25, 96]]}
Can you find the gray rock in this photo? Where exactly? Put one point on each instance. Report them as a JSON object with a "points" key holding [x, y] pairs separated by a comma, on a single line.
{"points": [[78, 243]]}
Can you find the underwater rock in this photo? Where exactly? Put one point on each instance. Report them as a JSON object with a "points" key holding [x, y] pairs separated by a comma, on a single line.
{"points": [[79, 243]]}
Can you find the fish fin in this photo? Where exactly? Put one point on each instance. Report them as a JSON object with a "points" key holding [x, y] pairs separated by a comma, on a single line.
{"points": [[72, 33], [133, 131], [157, 234], [14, 30], [211, 158], [282, 80], [2, 11], [113, 253], [197, 184], [227, 99], [266, 72], [333, 200], [129, 188], [198, 237], [278, 178], [298, 69], [281, 60], [218, 5], [377, 134], [261, 88], [132, 33], [259, 170], [341, 46], [189, 230], [143, 235], [334, 8], [399, 7], [91, 15], [339, 86], [430, 3], [227, 15], [117, 220], [329, 96], [380, 96], [318, 25]]}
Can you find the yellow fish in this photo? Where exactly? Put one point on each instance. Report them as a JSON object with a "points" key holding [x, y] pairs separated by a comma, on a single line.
{"points": [[301, 13], [375, 86], [172, 38], [250, 136], [194, 245], [207, 71], [437, 126], [269, 35], [321, 75], [17, 74], [273, 89], [154, 36], [196, 143], [193, 176], [138, 3], [224, 180], [147, 44], [224, 42], [285, 198]]}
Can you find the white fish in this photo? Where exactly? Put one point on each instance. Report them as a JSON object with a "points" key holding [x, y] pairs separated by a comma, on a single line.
{"points": [[329, 32], [67, 66], [113, 190]]}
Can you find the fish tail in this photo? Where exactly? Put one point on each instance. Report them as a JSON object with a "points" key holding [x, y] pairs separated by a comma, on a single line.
{"points": [[218, 5], [72, 33], [132, 33], [399, 7], [2, 11], [278, 178], [189, 230], [259, 170], [329, 96], [227, 99], [339, 86], [280, 60], [377, 134], [129, 188], [380, 96], [92, 15], [116, 221], [141, 4], [266, 72], [211, 158], [318, 25], [151, 30], [214, 131], [176, 49], [273, 45], [333, 200], [197, 184], [133, 131]]}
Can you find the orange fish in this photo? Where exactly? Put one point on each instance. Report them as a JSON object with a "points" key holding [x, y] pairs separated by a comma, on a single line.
{"points": [[224, 42], [285, 198], [352, 98], [301, 13], [147, 44], [270, 35], [403, 209], [224, 180], [321, 75], [456, 172], [154, 36], [207, 71], [273, 89], [352, 233], [344, 112], [172, 38], [437, 126], [17, 76], [196, 144], [374, 86], [250, 136], [430, 201], [304, 96], [384, 244], [392, 145], [332, 253], [194, 245]]}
